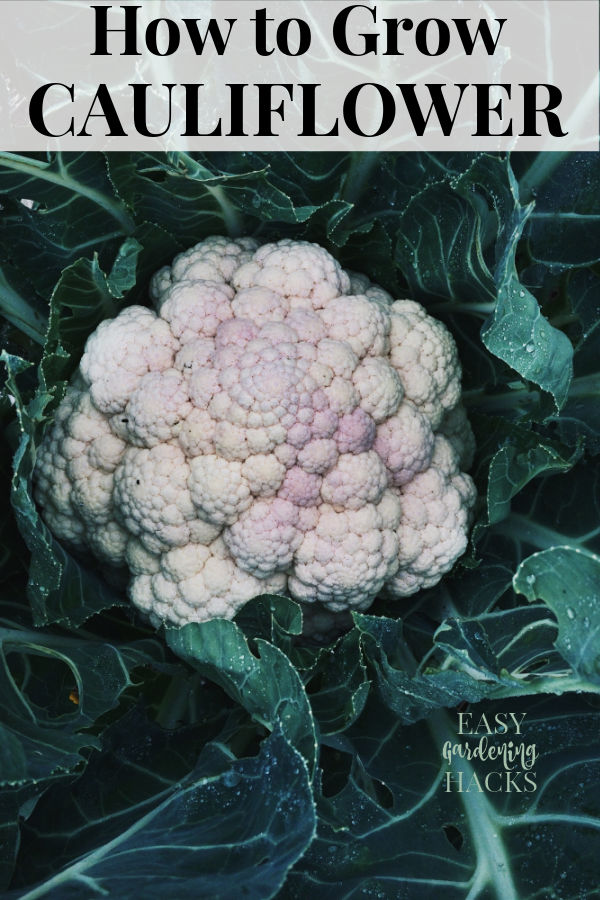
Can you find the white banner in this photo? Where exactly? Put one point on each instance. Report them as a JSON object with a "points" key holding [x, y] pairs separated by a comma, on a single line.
{"points": [[319, 75]]}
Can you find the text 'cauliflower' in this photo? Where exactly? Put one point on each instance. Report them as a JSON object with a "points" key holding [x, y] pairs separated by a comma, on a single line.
{"points": [[277, 424]]}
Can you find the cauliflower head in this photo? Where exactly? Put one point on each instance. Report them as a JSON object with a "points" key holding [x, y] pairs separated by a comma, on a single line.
{"points": [[275, 423]]}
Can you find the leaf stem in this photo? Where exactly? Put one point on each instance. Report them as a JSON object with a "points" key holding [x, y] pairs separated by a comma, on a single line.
{"points": [[231, 216], [493, 860], [358, 174], [552, 818], [478, 398], [76, 871], [35, 168], [540, 170], [471, 308], [548, 684], [585, 386], [525, 529], [20, 314], [175, 701]]}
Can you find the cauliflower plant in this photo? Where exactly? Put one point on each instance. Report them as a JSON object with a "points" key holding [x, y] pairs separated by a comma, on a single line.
{"points": [[277, 424]]}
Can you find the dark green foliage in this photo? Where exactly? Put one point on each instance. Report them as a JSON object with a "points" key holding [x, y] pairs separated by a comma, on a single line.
{"points": [[236, 759]]}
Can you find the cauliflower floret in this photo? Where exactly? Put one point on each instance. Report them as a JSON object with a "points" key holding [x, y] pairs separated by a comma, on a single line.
{"points": [[260, 305], [139, 559], [299, 271], [196, 309], [338, 357], [121, 351], [436, 506], [155, 411], [203, 386], [151, 496], [279, 425], [301, 488], [355, 432], [215, 258], [318, 456], [423, 352], [263, 539], [356, 479], [341, 396], [109, 543], [75, 469], [91, 495], [54, 487], [218, 489], [264, 474], [106, 452], [379, 387], [195, 354], [345, 560], [197, 433], [196, 583], [307, 325], [360, 284], [405, 443], [359, 322]]}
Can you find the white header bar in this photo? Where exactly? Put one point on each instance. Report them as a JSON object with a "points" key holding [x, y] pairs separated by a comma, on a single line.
{"points": [[315, 75]]}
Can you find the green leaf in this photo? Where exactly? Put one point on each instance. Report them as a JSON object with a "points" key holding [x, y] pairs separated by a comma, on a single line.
{"points": [[84, 296], [181, 196], [229, 827], [522, 457], [13, 762], [338, 685], [53, 689], [213, 769], [15, 306], [335, 677], [521, 337], [123, 276], [74, 192], [395, 831], [274, 618], [74, 214], [439, 247], [268, 687], [411, 694], [507, 650], [442, 246], [580, 417], [567, 212], [549, 576], [60, 588]]}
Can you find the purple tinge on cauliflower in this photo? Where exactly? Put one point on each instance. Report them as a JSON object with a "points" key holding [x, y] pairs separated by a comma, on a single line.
{"points": [[277, 424]]}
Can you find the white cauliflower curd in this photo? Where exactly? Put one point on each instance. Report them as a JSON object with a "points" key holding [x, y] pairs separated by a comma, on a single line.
{"points": [[276, 424]]}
